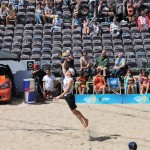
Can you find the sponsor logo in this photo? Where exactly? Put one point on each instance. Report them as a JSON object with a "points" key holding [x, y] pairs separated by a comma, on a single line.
{"points": [[90, 99], [141, 99], [103, 99]]}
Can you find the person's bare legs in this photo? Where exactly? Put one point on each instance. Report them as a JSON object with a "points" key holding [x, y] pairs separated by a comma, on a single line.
{"points": [[132, 88], [104, 90], [82, 119], [7, 20], [129, 88], [141, 90], [95, 90], [83, 90], [80, 90], [147, 88]]}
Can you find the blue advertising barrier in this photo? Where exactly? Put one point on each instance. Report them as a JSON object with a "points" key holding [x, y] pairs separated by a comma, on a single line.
{"points": [[113, 98]]}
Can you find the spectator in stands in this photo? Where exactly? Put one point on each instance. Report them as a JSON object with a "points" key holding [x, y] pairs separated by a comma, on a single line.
{"points": [[132, 146], [99, 82], [82, 79], [120, 65], [143, 81], [11, 14], [85, 64], [38, 75], [102, 62], [58, 5], [131, 11], [39, 13], [72, 5], [57, 23], [114, 27], [40, 1], [48, 13], [95, 27], [85, 12], [129, 83], [3, 13], [76, 22], [143, 20], [49, 83], [105, 11], [77, 9], [86, 28], [140, 7]]}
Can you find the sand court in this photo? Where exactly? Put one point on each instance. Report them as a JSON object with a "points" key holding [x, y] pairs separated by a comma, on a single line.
{"points": [[52, 126]]}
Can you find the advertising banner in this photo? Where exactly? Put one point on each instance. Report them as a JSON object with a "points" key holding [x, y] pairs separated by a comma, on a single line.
{"points": [[113, 98], [136, 98], [99, 99]]}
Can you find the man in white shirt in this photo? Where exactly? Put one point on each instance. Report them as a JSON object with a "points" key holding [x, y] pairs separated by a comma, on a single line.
{"points": [[49, 83]]}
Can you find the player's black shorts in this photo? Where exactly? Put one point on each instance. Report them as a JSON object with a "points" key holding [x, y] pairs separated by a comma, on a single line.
{"points": [[70, 99]]}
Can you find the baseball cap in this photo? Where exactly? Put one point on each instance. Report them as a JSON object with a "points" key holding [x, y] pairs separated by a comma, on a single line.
{"points": [[132, 146], [35, 66], [72, 71]]}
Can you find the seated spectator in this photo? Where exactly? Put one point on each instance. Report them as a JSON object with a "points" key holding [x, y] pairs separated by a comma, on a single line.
{"points": [[143, 81], [40, 1], [130, 83], [143, 20], [39, 13], [49, 83], [95, 27], [86, 28], [114, 27], [57, 23], [104, 11], [131, 11], [99, 82], [58, 5], [3, 13], [48, 13], [120, 65], [82, 80], [85, 64], [76, 22], [72, 5], [11, 14], [77, 9], [84, 12], [102, 62]]}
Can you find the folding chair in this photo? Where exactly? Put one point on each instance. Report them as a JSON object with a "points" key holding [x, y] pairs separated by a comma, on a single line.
{"points": [[114, 85]]}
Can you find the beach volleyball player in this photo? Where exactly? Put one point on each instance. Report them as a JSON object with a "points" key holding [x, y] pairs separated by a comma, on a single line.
{"points": [[68, 93]]}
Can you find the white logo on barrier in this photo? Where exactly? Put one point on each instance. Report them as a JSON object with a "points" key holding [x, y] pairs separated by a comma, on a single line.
{"points": [[140, 99], [103, 99], [90, 99]]}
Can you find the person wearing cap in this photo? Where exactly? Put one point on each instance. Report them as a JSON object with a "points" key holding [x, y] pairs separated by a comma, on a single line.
{"points": [[132, 146], [49, 83], [38, 75], [68, 84]]}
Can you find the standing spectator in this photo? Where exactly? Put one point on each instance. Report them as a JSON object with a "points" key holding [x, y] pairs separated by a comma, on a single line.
{"points": [[39, 13], [102, 62], [85, 64], [99, 83], [132, 146], [49, 84], [143, 81], [143, 20], [3, 13], [120, 65], [38, 75], [11, 14]]}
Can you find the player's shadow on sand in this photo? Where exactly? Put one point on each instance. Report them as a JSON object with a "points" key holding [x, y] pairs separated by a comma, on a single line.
{"points": [[103, 138]]}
